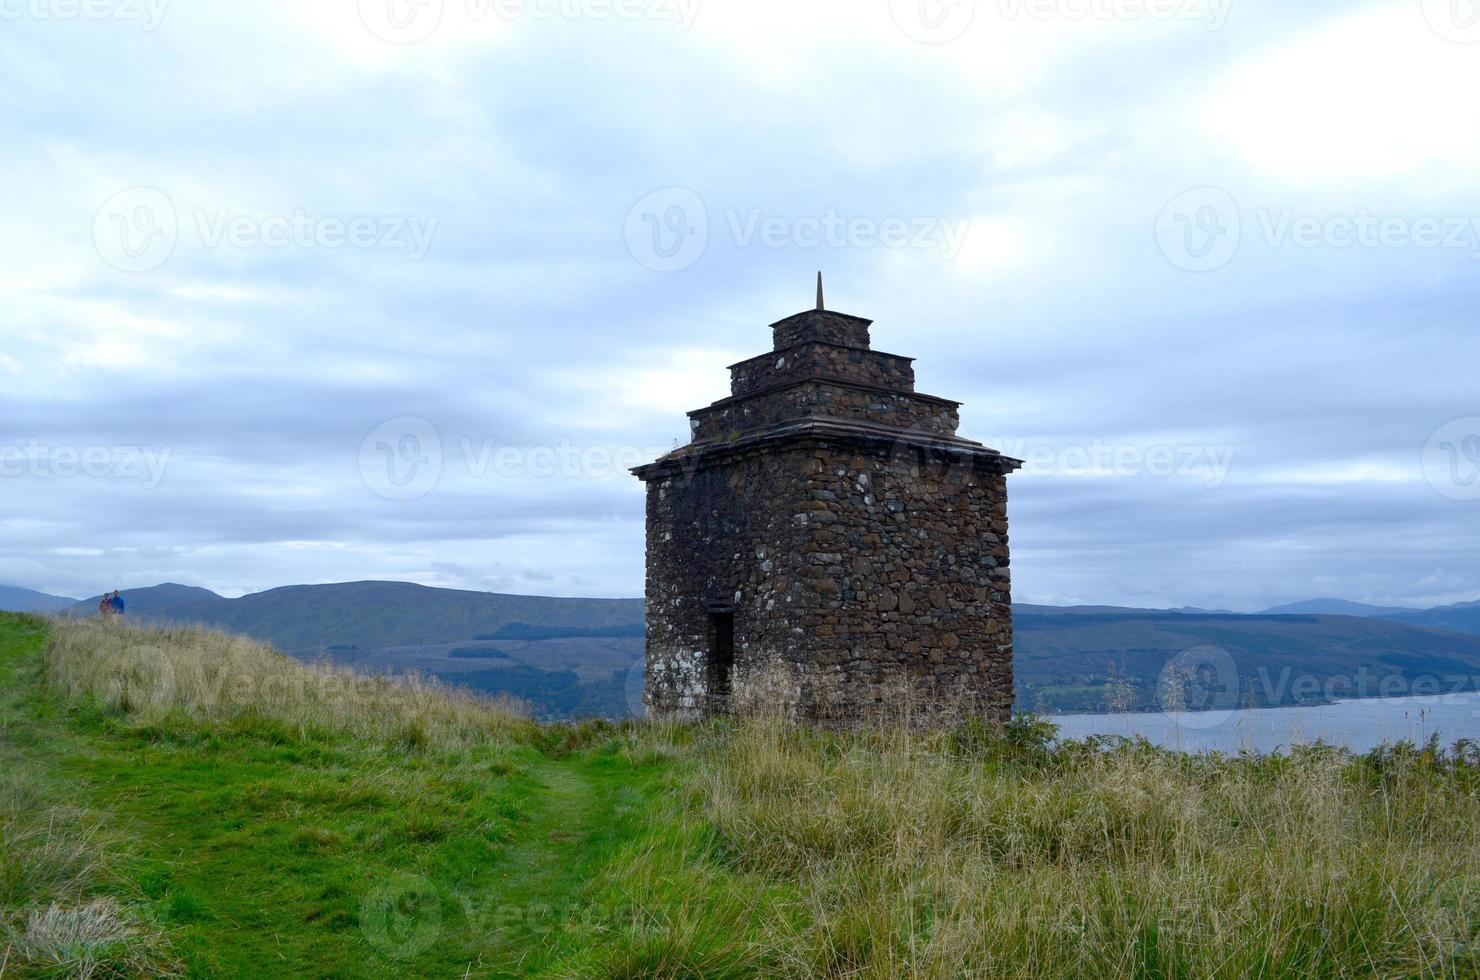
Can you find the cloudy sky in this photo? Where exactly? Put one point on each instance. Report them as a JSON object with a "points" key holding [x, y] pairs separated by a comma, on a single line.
{"points": [[313, 292]]}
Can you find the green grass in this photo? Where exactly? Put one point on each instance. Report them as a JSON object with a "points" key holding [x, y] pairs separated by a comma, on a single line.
{"points": [[264, 848], [189, 803]]}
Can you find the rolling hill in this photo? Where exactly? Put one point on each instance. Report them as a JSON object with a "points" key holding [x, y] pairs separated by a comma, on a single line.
{"points": [[13, 599], [1066, 661], [310, 619], [1335, 607], [1461, 618], [581, 656]]}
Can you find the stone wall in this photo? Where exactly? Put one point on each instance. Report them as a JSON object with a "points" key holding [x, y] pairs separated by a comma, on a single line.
{"points": [[718, 536], [907, 562], [860, 576], [821, 325], [815, 359], [841, 400]]}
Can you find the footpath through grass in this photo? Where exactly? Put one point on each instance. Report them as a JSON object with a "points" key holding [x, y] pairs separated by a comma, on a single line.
{"points": [[233, 844]]}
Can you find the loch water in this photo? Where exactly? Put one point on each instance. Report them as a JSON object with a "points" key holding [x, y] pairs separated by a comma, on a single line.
{"points": [[1359, 725]]}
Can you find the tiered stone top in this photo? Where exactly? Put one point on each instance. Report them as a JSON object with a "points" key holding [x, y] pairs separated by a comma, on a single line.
{"points": [[822, 369], [823, 326], [823, 380]]}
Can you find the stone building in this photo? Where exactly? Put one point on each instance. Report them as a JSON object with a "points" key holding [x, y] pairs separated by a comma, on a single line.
{"points": [[826, 545]]}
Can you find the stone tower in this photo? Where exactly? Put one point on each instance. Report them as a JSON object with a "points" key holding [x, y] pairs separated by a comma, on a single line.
{"points": [[826, 545]]}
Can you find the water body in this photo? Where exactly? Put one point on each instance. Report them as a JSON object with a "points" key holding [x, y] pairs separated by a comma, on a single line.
{"points": [[1359, 725]]}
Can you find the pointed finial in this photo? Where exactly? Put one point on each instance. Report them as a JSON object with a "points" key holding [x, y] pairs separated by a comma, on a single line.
{"points": [[819, 291]]}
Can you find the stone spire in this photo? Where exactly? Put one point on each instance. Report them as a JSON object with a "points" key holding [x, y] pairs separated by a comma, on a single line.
{"points": [[820, 307]]}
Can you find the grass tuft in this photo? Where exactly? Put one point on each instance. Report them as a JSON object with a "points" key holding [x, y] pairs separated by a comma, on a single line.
{"points": [[99, 939]]}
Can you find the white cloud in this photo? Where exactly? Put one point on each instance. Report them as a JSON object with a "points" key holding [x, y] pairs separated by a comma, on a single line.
{"points": [[1367, 99], [652, 384]]}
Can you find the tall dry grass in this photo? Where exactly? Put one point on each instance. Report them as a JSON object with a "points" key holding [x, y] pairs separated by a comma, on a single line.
{"points": [[153, 673], [965, 854]]}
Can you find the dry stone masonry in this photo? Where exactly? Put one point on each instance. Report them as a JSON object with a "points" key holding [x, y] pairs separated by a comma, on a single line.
{"points": [[826, 546]]}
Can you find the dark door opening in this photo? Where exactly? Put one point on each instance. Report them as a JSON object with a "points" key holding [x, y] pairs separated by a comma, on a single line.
{"points": [[721, 660]]}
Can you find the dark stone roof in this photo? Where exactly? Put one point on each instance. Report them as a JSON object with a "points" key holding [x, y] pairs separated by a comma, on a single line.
{"points": [[823, 380]]}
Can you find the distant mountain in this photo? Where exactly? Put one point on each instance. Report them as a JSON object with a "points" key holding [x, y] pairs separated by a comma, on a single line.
{"points": [[177, 603], [1067, 661], [13, 599], [1463, 617], [1024, 608], [1035, 610], [308, 619], [582, 656], [1336, 607]]}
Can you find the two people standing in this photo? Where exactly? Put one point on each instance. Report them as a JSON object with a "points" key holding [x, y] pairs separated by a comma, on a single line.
{"points": [[111, 604]]}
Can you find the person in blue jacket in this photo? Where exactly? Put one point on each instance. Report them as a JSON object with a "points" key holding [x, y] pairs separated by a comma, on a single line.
{"points": [[116, 603]]}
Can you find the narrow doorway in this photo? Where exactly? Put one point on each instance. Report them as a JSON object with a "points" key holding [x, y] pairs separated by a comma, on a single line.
{"points": [[721, 660]]}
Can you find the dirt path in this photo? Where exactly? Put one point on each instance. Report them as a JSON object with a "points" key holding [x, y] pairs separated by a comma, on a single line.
{"points": [[545, 869]]}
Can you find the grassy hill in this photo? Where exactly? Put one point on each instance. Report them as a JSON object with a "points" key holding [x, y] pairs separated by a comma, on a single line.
{"points": [[188, 803], [582, 657]]}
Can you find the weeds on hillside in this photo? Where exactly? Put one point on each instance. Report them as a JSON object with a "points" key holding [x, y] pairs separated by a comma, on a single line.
{"points": [[986, 852], [151, 674], [937, 855]]}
